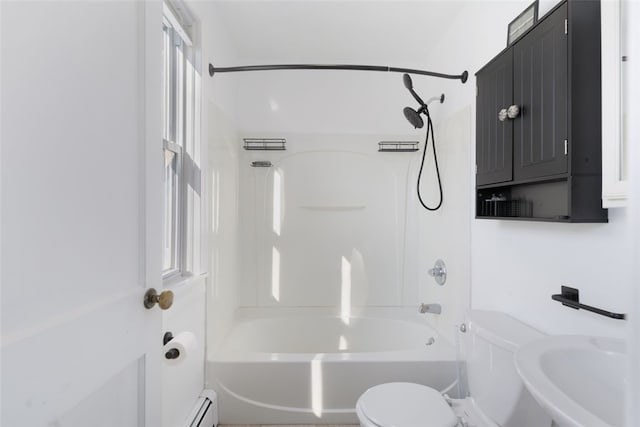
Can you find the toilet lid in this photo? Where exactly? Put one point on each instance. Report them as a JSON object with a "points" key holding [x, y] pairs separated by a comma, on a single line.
{"points": [[406, 405]]}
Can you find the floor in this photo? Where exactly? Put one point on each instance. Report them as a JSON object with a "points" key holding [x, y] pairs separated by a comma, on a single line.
{"points": [[288, 425]]}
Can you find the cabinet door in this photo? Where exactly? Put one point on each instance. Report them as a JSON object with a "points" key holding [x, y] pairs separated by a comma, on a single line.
{"points": [[494, 138], [540, 72]]}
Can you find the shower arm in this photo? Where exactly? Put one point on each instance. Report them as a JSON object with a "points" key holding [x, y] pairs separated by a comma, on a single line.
{"points": [[213, 70], [435, 98]]}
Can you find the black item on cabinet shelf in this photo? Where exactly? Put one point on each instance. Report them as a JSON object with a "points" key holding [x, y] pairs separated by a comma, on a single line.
{"points": [[570, 297], [500, 206], [538, 124], [545, 200]]}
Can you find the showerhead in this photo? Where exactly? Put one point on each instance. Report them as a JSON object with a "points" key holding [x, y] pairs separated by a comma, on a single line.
{"points": [[414, 117]]}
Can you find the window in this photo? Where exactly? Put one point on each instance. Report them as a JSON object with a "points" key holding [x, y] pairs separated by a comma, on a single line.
{"points": [[615, 103], [180, 99]]}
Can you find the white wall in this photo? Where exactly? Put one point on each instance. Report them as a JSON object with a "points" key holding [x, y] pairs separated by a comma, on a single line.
{"points": [[445, 234], [182, 383], [223, 234], [517, 266], [633, 396], [332, 102], [220, 152]]}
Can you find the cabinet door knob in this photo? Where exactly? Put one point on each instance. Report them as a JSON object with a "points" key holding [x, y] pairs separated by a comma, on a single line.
{"points": [[164, 300], [502, 115], [513, 111]]}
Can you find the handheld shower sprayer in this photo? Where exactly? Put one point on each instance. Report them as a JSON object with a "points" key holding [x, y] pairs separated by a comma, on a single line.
{"points": [[413, 116], [408, 83]]}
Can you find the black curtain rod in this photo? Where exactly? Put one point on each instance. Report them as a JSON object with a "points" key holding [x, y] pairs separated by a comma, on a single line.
{"points": [[212, 70]]}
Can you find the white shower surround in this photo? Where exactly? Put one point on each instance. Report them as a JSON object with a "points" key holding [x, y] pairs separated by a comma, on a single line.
{"points": [[327, 225], [310, 365]]}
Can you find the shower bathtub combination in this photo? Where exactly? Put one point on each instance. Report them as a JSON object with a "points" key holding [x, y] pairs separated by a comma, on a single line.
{"points": [[325, 304], [310, 365]]}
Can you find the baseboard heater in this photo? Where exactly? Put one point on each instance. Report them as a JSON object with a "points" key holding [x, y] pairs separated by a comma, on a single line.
{"points": [[205, 411]]}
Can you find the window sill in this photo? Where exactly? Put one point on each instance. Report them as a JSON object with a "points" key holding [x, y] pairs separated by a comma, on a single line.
{"points": [[182, 280]]}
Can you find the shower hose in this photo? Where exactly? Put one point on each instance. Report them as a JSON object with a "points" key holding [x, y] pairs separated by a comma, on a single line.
{"points": [[435, 160]]}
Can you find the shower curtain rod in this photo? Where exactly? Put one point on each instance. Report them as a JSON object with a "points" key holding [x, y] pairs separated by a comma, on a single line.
{"points": [[212, 70]]}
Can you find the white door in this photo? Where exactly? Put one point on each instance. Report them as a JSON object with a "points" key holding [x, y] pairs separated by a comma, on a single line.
{"points": [[80, 233]]}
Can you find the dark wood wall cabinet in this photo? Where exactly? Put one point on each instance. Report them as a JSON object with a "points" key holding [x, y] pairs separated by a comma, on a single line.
{"points": [[538, 122]]}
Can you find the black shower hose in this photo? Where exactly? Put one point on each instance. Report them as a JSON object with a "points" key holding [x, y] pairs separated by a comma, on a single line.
{"points": [[435, 160]]}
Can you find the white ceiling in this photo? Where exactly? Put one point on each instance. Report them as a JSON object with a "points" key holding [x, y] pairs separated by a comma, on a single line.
{"points": [[395, 33]]}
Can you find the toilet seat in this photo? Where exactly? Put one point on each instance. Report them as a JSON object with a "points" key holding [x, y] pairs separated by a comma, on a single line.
{"points": [[405, 405]]}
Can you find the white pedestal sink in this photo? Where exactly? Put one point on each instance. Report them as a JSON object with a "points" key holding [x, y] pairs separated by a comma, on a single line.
{"points": [[579, 381]]}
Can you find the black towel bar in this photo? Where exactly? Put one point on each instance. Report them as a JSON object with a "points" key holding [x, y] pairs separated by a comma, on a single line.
{"points": [[571, 298]]}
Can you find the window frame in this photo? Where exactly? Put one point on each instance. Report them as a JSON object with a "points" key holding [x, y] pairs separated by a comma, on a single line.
{"points": [[615, 186], [174, 136], [180, 215]]}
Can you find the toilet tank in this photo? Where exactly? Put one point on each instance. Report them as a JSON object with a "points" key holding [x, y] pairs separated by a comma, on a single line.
{"points": [[494, 384]]}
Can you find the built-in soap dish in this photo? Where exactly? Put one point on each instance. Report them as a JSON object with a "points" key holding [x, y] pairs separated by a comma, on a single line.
{"points": [[261, 164]]}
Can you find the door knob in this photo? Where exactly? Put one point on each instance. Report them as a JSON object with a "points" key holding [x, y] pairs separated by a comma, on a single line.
{"points": [[502, 115], [513, 111], [164, 299]]}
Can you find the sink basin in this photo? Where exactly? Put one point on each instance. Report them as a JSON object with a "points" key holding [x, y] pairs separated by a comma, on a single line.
{"points": [[578, 380]]}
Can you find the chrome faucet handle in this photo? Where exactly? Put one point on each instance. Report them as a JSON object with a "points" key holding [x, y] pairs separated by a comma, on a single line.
{"points": [[435, 271], [439, 272]]}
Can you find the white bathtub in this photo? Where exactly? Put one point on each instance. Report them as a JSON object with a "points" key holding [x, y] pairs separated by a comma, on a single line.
{"points": [[309, 366]]}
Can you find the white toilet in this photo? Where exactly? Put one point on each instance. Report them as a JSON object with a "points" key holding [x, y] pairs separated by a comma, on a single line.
{"points": [[498, 397]]}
